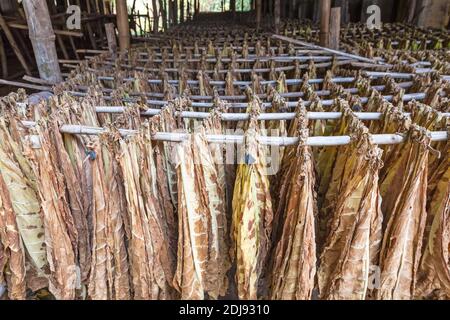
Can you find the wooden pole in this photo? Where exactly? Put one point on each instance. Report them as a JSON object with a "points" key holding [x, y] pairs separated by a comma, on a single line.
{"points": [[276, 13], [233, 6], [181, 10], [175, 12], [14, 45], [163, 10], [123, 25], [155, 17], [3, 59], [111, 37], [258, 14], [434, 14], [325, 6], [335, 28], [43, 39]]}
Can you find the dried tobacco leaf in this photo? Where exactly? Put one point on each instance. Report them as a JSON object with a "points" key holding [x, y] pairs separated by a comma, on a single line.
{"points": [[295, 255], [13, 253], [354, 208], [434, 272], [405, 209], [22, 189], [252, 218], [202, 249], [109, 277], [60, 233], [151, 257]]}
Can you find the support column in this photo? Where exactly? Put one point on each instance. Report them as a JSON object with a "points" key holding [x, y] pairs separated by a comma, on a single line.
{"points": [[111, 37], [258, 14], [123, 25], [155, 17], [335, 28], [434, 14], [276, 13], [233, 6], [325, 6], [43, 39]]}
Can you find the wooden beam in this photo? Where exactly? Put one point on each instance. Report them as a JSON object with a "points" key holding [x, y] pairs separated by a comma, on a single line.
{"points": [[335, 28], [16, 25], [123, 25], [325, 6], [14, 45]]}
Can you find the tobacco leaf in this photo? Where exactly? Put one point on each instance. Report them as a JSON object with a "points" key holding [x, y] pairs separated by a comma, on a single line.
{"points": [[151, 258], [21, 185], [13, 253], [252, 217], [295, 254], [109, 277], [353, 205], [59, 229], [405, 210], [434, 271]]}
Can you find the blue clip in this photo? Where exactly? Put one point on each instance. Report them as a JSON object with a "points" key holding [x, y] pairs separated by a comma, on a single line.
{"points": [[91, 154], [249, 159]]}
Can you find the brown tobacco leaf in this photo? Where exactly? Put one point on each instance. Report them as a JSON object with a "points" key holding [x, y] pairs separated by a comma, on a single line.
{"points": [[76, 199], [109, 278], [434, 270], [252, 218], [295, 255], [13, 253], [202, 223], [151, 257], [353, 202], [60, 233], [405, 204]]}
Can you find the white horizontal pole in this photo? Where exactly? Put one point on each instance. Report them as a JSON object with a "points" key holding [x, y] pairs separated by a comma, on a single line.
{"points": [[370, 74], [246, 116], [280, 141]]}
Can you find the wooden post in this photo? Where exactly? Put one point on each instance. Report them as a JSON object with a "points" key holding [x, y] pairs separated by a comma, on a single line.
{"points": [[335, 28], [14, 45], [181, 10], [43, 39], [258, 14], [155, 17], [3, 59], [123, 25], [111, 37], [175, 12], [163, 10], [233, 6], [325, 6], [434, 14], [276, 13]]}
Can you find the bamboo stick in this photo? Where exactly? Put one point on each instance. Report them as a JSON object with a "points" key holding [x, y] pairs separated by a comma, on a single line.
{"points": [[262, 117], [320, 141], [313, 46]]}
